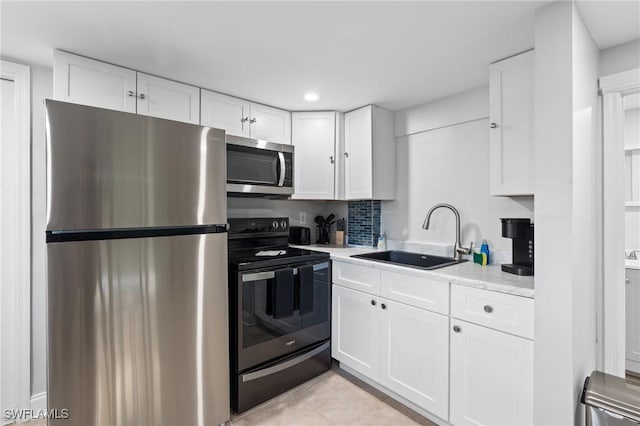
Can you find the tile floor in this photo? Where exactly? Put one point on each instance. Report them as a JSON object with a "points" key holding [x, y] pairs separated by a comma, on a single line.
{"points": [[334, 398]]}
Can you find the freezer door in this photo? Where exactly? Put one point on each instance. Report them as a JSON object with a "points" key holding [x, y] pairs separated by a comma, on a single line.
{"points": [[111, 169], [138, 331]]}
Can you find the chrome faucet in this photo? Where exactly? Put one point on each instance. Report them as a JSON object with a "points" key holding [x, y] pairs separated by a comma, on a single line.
{"points": [[458, 250]]}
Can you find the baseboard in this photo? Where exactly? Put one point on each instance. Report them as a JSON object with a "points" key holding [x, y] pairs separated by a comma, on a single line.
{"points": [[39, 402]]}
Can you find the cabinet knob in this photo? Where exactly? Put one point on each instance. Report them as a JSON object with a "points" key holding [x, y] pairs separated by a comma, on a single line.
{"points": [[253, 120], [142, 96], [373, 302], [131, 93], [493, 125], [244, 119], [331, 159], [383, 306], [457, 328], [488, 308], [346, 154]]}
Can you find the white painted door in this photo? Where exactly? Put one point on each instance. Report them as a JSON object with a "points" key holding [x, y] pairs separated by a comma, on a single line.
{"points": [[84, 81], [491, 377], [355, 330], [270, 124], [225, 112], [632, 300], [358, 154], [313, 137], [162, 98], [511, 122], [414, 355]]}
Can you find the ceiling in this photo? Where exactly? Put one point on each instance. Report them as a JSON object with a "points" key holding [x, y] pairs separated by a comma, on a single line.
{"points": [[394, 54]]}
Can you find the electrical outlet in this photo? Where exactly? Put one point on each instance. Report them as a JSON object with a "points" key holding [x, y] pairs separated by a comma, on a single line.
{"points": [[303, 218]]}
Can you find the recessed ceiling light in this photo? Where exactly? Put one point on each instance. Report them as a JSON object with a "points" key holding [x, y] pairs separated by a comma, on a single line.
{"points": [[311, 97]]}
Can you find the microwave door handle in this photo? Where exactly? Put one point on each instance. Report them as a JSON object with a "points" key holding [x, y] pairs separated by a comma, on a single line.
{"points": [[283, 169]]}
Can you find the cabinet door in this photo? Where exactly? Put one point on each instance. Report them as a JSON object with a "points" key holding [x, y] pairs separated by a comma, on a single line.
{"points": [[355, 330], [162, 98], [84, 81], [358, 154], [632, 300], [491, 377], [414, 355], [313, 136], [225, 112], [511, 133], [270, 124]]}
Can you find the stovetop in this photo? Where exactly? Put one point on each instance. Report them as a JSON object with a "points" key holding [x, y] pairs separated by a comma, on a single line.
{"points": [[250, 236]]}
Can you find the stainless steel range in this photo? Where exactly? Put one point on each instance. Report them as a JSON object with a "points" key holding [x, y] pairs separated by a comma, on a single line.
{"points": [[280, 310]]}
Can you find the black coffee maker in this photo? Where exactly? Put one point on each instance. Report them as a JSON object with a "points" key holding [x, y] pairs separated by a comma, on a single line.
{"points": [[521, 232]]}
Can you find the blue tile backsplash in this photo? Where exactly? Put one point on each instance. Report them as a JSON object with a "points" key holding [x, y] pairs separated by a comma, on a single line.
{"points": [[363, 226]]}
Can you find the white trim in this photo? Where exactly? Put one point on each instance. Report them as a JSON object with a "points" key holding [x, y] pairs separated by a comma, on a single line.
{"points": [[613, 317], [21, 76]]}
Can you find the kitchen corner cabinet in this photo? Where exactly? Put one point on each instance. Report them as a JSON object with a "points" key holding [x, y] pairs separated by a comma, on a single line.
{"points": [[239, 117], [313, 135], [369, 154], [89, 82], [511, 126]]}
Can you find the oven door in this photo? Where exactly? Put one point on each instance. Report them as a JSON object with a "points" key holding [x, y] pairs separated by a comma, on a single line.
{"points": [[259, 167], [261, 336]]}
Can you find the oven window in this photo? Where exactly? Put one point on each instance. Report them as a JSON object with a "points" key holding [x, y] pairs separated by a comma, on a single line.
{"points": [[318, 312], [251, 166]]}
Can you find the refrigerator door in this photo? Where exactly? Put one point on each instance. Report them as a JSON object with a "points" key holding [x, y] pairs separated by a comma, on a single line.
{"points": [[111, 169], [138, 331]]}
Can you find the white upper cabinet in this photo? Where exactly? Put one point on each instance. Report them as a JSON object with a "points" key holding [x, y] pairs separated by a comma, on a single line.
{"points": [[313, 135], [89, 82], [84, 81], [270, 124], [162, 98], [369, 154], [225, 112], [243, 118], [511, 126]]}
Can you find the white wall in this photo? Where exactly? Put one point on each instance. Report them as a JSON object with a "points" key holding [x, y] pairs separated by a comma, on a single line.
{"points": [[632, 163], [446, 160], [565, 76], [619, 58], [41, 88]]}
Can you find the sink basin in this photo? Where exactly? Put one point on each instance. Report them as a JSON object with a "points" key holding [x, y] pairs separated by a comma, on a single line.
{"points": [[414, 260]]}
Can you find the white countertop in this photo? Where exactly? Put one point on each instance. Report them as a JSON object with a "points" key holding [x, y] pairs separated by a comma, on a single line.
{"points": [[468, 273], [632, 263]]}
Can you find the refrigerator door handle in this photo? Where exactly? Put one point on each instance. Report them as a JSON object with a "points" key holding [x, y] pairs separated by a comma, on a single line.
{"points": [[283, 169], [283, 366]]}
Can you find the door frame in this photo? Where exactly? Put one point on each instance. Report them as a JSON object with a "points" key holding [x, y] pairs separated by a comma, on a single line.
{"points": [[613, 87], [20, 307]]}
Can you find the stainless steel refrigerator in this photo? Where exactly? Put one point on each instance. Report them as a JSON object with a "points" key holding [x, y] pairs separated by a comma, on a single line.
{"points": [[137, 269]]}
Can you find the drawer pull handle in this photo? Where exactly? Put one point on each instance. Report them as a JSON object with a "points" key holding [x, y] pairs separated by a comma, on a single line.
{"points": [[457, 328], [373, 302], [383, 306], [488, 309]]}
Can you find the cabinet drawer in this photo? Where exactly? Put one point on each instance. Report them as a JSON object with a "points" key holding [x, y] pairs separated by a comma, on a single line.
{"points": [[416, 291], [357, 277], [512, 314]]}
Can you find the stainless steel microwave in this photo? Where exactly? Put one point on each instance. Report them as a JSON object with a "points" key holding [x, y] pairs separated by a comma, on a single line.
{"points": [[259, 167]]}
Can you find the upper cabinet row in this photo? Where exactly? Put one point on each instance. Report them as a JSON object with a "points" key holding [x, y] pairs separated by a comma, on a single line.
{"points": [[86, 81], [511, 126]]}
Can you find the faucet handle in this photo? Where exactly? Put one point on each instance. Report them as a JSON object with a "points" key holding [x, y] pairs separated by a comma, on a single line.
{"points": [[465, 250]]}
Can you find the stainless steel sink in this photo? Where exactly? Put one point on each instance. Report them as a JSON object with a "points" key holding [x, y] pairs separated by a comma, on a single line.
{"points": [[413, 260]]}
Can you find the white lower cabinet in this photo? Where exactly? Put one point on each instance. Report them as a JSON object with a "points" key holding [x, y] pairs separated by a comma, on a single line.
{"points": [[491, 377], [414, 355]]}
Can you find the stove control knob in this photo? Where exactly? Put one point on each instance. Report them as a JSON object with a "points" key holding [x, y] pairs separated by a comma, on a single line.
{"points": [[283, 224], [275, 225]]}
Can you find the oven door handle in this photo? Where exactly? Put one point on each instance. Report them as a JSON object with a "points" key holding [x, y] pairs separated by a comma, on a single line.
{"points": [[283, 169], [267, 275], [283, 366]]}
